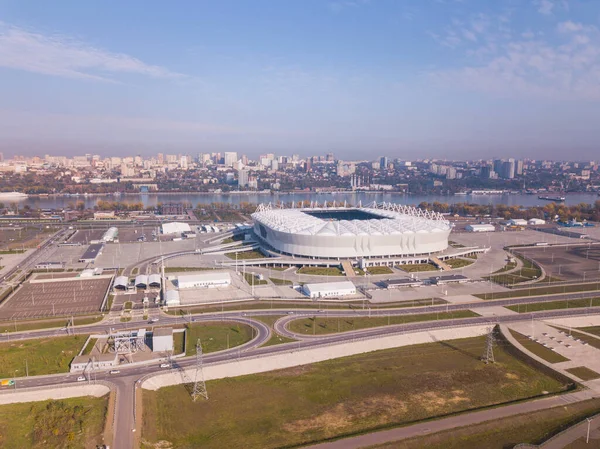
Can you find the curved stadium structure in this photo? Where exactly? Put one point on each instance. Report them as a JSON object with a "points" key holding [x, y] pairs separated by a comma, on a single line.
{"points": [[378, 230]]}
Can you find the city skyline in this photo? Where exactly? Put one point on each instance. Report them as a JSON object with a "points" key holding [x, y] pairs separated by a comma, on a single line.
{"points": [[444, 79]]}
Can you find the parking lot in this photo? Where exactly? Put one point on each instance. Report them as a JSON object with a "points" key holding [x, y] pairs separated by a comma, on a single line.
{"points": [[84, 236], [55, 297], [567, 262]]}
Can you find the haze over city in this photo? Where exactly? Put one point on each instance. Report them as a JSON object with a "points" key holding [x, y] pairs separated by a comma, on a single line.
{"points": [[447, 79]]}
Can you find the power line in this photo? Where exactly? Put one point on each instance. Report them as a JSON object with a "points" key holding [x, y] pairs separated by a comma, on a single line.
{"points": [[199, 384], [488, 353]]}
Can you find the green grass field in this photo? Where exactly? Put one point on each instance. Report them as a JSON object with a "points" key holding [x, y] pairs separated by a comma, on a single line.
{"points": [[418, 267], [275, 339], [178, 342], [583, 373], [505, 433], [62, 424], [592, 330], [246, 255], [509, 266], [44, 355], [528, 272], [379, 270], [321, 271], [319, 325], [216, 336], [536, 348], [459, 263], [552, 305], [278, 281], [345, 396], [252, 279], [538, 291], [88, 348], [19, 326]]}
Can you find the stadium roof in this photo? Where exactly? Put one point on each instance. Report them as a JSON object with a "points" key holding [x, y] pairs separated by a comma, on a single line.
{"points": [[391, 219]]}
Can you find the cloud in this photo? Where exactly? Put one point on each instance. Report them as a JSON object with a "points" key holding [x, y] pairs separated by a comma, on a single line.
{"points": [[548, 7], [63, 57], [569, 27], [563, 66]]}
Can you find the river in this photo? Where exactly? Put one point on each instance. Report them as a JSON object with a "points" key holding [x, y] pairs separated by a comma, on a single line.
{"points": [[152, 199]]}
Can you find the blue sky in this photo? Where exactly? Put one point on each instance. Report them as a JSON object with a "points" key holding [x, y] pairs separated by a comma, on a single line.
{"points": [[406, 78]]}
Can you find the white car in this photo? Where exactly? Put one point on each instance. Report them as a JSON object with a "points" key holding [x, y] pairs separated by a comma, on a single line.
{"points": [[114, 371], [81, 379], [165, 365]]}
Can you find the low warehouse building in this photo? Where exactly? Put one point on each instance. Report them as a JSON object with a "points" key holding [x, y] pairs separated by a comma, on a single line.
{"points": [[536, 221], [175, 228], [121, 283], [406, 282], [110, 235], [480, 228], [449, 279], [154, 281], [172, 298], [162, 339], [141, 281], [90, 254], [99, 361], [329, 289], [517, 222], [204, 280]]}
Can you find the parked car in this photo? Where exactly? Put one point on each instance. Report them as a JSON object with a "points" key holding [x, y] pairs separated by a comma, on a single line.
{"points": [[81, 379]]}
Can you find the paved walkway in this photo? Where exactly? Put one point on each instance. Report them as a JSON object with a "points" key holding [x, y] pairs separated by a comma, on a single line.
{"points": [[468, 419]]}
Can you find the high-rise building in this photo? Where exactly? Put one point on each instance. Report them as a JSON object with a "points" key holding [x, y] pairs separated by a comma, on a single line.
{"points": [[508, 169], [519, 167], [230, 158], [329, 157], [383, 162], [243, 178]]}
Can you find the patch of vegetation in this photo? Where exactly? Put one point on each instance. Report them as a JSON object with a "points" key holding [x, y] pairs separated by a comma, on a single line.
{"points": [[253, 279], [583, 373], [509, 266], [178, 342], [184, 269], [90, 346], [62, 424], [319, 325], [532, 428], [458, 263], [539, 291], [291, 407], [235, 238], [278, 281], [379, 270], [19, 326], [536, 348], [592, 330], [552, 305], [128, 305], [359, 271], [246, 255], [216, 336], [135, 271], [455, 245], [417, 267], [125, 319], [528, 272], [109, 301], [321, 271], [43, 356]]}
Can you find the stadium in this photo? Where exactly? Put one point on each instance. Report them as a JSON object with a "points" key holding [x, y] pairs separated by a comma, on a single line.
{"points": [[378, 230]]}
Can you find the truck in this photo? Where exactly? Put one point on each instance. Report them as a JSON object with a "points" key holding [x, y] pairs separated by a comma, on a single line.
{"points": [[7, 383]]}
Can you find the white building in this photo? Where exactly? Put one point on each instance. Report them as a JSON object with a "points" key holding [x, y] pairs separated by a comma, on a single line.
{"points": [[517, 222], [110, 235], [536, 221], [329, 289], [203, 280], [175, 228], [480, 228], [162, 339], [172, 298]]}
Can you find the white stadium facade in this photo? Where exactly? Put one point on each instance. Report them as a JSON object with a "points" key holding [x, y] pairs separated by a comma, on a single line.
{"points": [[378, 230]]}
